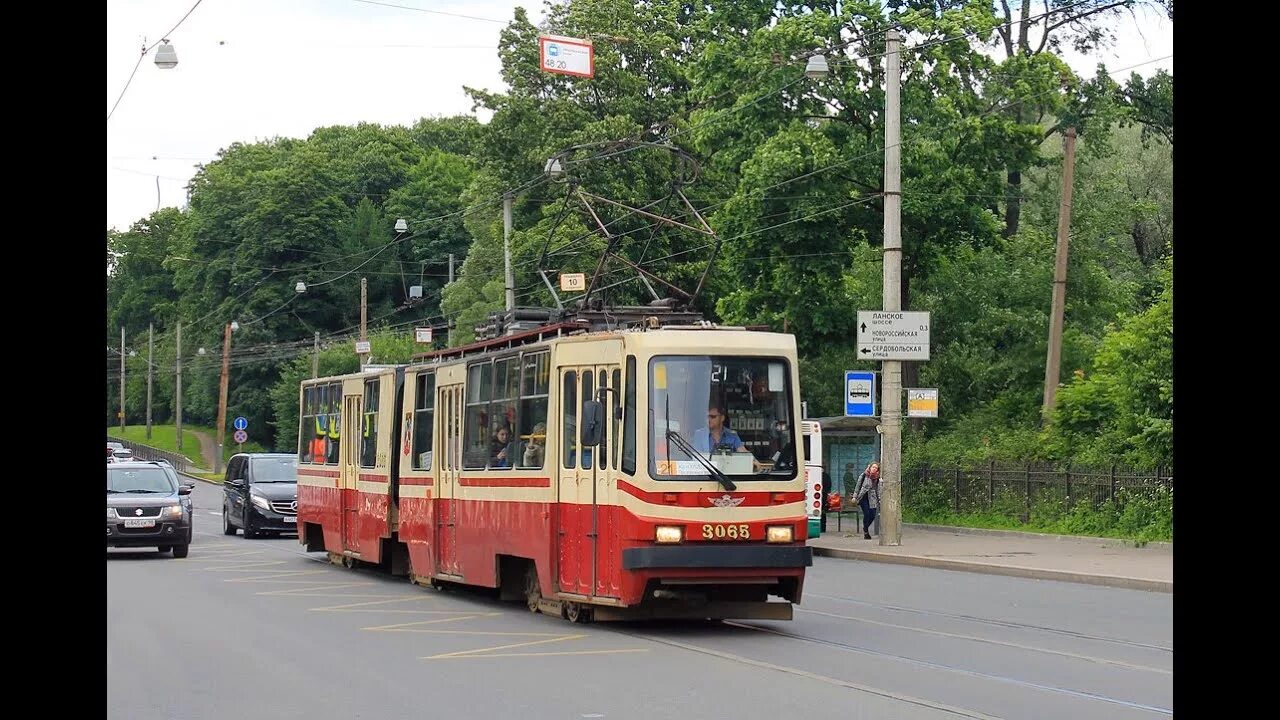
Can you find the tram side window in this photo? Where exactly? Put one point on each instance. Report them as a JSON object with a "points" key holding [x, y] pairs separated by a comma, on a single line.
{"points": [[334, 423], [535, 383], [423, 415], [306, 415], [369, 424], [615, 417], [569, 427], [588, 392], [602, 457], [502, 428], [475, 436], [629, 420]]}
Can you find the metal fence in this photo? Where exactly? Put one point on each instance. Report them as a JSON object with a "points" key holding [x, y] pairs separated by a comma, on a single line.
{"points": [[1019, 487], [146, 452]]}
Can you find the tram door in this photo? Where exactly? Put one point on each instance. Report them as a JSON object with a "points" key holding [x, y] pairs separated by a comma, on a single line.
{"points": [[349, 456], [587, 486], [449, 427]]}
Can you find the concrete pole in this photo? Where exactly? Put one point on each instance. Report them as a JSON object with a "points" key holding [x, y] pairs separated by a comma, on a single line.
{"points": [[151, 347], [177, 395], [891, 411], [506, 249], [507, 199], [1053, 366], [222, 397], [364, 300], [122, 381], [315, 358], [448, 326]]}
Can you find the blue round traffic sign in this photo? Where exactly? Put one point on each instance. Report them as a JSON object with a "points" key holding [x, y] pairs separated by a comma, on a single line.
{"points": [[240, 423]]}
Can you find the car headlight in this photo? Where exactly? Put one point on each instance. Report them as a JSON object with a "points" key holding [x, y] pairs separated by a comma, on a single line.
{"points": [[666, 534], [171, 512], [111, 514], [778, 534], [260, 502]]}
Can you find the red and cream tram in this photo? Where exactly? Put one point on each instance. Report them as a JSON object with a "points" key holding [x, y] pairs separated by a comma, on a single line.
{"points": [[603, 475]]}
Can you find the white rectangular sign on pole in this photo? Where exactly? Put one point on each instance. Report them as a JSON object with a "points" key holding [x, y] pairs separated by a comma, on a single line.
{"points": [[573, 282], [567, 56], [422, 334], [362, 346], [893, 335]]}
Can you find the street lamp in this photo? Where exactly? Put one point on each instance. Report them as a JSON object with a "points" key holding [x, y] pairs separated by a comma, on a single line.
{"points": [[817, 67], [401, 225], [553, 168], [166, 58]]}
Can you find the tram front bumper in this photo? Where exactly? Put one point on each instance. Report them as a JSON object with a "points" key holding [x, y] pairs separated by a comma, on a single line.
{"points": [[717, 556]]}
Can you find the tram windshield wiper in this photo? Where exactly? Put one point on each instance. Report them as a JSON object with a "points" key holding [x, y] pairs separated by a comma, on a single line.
{"points": [[717, 473]]}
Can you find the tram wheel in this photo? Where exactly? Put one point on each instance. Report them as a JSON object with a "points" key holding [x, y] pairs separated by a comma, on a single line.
{"points": [[577, 613], [532, 588]]}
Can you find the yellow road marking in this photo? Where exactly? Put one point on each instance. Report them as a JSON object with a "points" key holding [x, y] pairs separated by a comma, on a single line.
{"points": [[465, 653], [398, 626], [538, 654]]}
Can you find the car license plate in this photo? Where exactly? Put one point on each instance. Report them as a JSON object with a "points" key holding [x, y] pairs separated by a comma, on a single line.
{"points": [[139, 522], [290, 518]]}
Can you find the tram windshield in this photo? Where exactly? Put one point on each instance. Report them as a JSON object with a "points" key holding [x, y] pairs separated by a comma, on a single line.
{"points": [[732, 411]]}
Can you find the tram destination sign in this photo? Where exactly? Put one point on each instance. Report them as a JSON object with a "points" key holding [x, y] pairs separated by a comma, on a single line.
{"points": [[893, 335]]}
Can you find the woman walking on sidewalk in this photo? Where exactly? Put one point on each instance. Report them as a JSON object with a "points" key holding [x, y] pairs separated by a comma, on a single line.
{"points": [[867, 495]]}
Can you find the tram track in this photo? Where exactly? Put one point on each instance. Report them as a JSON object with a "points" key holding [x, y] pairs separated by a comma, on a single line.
{"points": [[989, 621], [850, 647]]}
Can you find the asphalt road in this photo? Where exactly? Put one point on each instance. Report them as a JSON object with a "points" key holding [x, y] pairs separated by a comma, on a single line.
{"points": [[259, 629]]}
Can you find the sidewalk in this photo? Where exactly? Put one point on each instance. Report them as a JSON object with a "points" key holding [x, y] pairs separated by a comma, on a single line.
{"points": [[1096, 561]]}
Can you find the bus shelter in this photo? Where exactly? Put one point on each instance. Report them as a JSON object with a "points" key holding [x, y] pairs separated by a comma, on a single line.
{"points": [[849, 444]]}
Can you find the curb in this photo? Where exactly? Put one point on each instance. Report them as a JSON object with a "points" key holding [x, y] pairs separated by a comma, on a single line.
{"points": [[1154, 544], [1013, 571], [196, 477]]}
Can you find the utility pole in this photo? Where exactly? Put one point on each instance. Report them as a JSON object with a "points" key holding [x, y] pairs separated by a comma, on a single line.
{"points": [[507, 199], [891, 403], [1052, 368], [315, 358], [151, 346], [222, 397], [448, 326], [177, 395], [122, 381], [364, 297]]}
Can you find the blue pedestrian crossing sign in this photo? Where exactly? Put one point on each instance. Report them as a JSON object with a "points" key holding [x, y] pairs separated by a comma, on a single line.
{"points": [[859, 393], [240, 423]]}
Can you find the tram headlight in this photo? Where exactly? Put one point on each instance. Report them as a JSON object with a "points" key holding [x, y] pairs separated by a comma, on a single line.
{"points": [[667, 534], [778, 534]]}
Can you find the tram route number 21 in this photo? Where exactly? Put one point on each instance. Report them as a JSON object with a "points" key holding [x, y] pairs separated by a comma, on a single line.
{"points": [[719, 532]]}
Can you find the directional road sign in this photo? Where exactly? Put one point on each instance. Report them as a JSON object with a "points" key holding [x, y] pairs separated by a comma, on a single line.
{"points": [[896, 335], [240, 423]]}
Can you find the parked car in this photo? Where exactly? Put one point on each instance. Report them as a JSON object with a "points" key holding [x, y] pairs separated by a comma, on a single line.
{"points": [[173, 475], [260, 494], [145, 507]]}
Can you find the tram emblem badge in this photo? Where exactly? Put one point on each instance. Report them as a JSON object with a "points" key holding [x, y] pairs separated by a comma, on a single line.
{"points": [[726, 500]]}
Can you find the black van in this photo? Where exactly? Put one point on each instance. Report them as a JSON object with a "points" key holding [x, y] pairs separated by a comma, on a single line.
{"points": [[260, 494]]}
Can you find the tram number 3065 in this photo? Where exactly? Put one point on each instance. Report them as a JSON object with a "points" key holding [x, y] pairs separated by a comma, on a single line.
{"points": [[719, 532]]}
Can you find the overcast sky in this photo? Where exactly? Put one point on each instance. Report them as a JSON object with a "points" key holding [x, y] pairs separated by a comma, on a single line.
{"points": [[256, 69]]}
